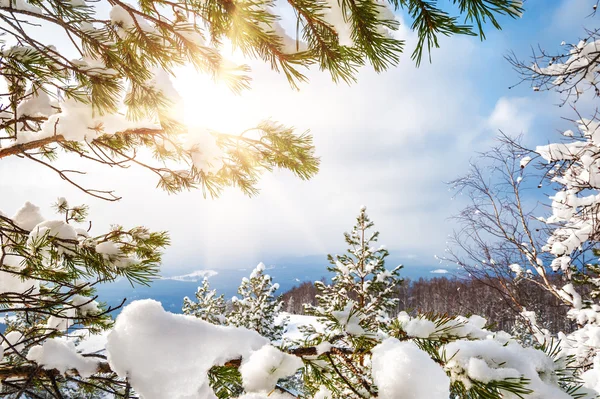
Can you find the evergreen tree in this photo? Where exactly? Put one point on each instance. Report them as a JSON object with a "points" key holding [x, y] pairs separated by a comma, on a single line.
{"points": [[208, 306], [360, 278], [257, 307], [355, 305]]}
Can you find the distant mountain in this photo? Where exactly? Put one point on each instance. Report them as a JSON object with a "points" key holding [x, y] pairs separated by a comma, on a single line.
{"points": [[170, 290]]}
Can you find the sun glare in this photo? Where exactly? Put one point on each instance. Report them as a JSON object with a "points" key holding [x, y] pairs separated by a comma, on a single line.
{"points": [[213, 105]]}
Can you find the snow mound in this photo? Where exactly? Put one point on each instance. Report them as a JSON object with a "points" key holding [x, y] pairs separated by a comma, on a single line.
{"points": [[266, 366], [167, 355], [402, 371], [60, 354]]}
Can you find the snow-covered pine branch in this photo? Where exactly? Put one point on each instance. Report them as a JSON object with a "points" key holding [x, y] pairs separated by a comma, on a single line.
{"points": [[50, 269]]}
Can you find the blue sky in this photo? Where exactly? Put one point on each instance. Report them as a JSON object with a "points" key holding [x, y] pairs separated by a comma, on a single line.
{"points": [[388, 142]]}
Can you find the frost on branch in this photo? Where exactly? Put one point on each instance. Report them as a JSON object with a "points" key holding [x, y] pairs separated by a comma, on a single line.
{"points": [[487, 361], [100, 86], [361, 281]]}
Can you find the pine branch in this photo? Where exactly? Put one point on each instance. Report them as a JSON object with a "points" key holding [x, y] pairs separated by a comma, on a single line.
{"points": [[32, 145]]}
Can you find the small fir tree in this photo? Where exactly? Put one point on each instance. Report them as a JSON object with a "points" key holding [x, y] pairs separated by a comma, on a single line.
{"points": [[257, 307], [208, 306], [360, 278], [353, 308]]}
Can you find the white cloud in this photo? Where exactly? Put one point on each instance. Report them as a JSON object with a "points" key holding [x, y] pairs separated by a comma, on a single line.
{"points": [[512, 115], [197, 275], [440, 271]]}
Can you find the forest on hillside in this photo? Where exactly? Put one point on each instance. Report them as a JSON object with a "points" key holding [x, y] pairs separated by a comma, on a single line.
{"points": [[460, 296]]}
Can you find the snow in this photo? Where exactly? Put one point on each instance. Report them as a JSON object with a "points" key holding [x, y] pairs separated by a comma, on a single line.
{"points": [[289, 44], [189, 32], [60, 354], [258, 269], [20, 5], [85, 305], [591, 378], [516, 268], [53, 228], [94, 66], [166, 355], [323, 393], [570, 294], [120, 16], [490, 360], [525, 161], [402, 371], [90, 343], [108, 248], [206, 155], [163, 352], [37, 104], [77, 3], [349, 321], [295, 321], [479, 370], [63, 321], [324, 347], [559, 151], [416, 327], [581, 63], [261, 371], [336, 18], [11, 282], [12, 342], [269, 395], [28, 216], [123, 19], [77, 122]]}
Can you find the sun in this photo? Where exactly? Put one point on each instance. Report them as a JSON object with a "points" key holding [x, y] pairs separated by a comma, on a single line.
{"points": [[213, 105]]}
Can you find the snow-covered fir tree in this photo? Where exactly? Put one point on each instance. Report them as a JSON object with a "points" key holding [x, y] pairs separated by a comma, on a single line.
{"points": [[360, 279], [208, 306], [257, 307], [352, 308]]}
